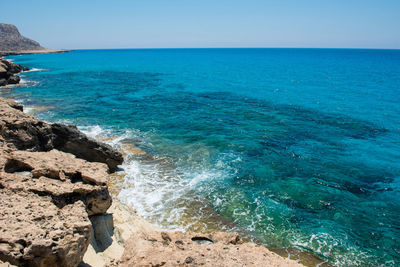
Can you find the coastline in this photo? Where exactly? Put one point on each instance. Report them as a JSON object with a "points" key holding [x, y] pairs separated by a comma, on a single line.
{"points": [[114, 225], [27, 52]]}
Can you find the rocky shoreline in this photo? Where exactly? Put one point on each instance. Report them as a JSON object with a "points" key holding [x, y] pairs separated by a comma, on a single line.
{"points": [[8, 71], [57, 210]]}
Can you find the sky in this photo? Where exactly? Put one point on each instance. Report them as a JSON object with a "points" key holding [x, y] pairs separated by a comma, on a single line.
{"points": [[95, 24]]}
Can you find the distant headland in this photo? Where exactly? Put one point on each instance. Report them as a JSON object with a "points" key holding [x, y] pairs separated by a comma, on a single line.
{"points": [[13, 43]]}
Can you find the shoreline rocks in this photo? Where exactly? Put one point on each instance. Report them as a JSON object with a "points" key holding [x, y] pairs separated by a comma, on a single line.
{"points": [[8, 70], [193, 249], [23, 131], [47, 196]]}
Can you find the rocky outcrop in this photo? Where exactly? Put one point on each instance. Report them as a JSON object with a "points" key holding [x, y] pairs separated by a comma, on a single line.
{"points": [[24, 132], [7, 72], [12, 40], [192, 249], [69, 139], [47, 195]]}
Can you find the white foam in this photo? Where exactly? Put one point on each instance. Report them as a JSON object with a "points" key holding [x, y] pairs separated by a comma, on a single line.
{"points": [[92, 131], [28, 109], [34, 70]]}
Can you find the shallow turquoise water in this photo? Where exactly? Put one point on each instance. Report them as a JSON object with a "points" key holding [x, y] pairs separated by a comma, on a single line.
{"points": [[298, 147]]}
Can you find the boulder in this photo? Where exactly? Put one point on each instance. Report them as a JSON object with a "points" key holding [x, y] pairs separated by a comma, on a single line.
{"points": [[3, 82]]}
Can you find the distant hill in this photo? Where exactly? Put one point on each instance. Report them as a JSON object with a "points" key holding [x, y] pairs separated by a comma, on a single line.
{"points": [[12, 41]]}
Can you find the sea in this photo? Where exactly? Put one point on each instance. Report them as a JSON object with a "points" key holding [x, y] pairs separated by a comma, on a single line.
{"points": [[295, 149]]}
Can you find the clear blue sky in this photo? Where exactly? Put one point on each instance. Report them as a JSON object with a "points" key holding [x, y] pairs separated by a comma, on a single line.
{"points": [[206, 23]]}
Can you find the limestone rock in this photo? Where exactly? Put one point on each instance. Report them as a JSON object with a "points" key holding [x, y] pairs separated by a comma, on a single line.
{"points": [[25, 132], [60, 175], [191, 249], [35, 232], [70, 140], [46, 195]]}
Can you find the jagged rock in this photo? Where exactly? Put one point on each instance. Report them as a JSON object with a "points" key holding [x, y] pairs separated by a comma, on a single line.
{"points": [[7, 71], [69, 139], [12, 40], [25, 132], [14, 79], [60, 175], [191, 249], [35, 232], [60, 165], [46, 195], [11, 66]]}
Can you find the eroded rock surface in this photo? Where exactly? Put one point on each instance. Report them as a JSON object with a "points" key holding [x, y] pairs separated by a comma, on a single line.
{"points": [[59, 175], [191, 249], [25, 132], [46, 195], [35, 232]]}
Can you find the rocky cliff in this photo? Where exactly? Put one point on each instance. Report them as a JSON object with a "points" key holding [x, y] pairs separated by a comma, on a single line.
{"points": [[12, 40]]}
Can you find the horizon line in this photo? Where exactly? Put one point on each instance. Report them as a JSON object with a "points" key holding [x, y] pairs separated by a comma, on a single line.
{"points": [[235, 47]]}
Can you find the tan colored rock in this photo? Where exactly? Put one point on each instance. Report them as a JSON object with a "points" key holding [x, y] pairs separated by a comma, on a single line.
{"points": [[111, 231], [35, 232], [60, 175], [23, 131], [191, 249], [46, 196], [59, 165]]}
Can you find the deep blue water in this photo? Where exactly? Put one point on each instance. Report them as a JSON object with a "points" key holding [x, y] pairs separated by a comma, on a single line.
{"points": [[296, 147]]}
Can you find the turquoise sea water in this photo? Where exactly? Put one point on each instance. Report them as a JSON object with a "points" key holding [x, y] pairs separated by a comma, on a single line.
{"points": [[295, 147]]}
